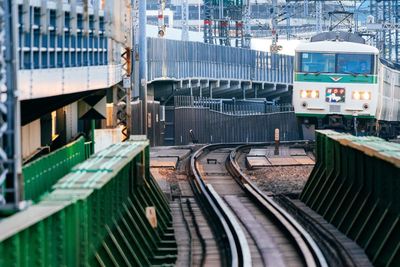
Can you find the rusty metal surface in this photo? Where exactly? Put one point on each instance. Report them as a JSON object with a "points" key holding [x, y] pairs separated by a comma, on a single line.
{"points": [[304, 160], [161, 152], [167, 162], [254, 162], [282, 161], [258, 152], [297, 152]]}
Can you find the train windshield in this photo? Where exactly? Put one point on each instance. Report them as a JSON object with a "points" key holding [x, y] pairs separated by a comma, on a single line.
{"points": [[317, 62], [355, 64]]}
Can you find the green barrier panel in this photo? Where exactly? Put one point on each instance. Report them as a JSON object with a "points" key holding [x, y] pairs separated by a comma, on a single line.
{"points": [[41, 174], [355, 185], [94, 217]]}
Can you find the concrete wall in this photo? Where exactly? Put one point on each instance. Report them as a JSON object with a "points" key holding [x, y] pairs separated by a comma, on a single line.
{"points": [[30, 138]]}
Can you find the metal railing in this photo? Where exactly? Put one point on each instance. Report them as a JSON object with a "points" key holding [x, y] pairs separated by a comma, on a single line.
{"points": [[177, 60], [40, 175], [106, 196], [232, 106]]}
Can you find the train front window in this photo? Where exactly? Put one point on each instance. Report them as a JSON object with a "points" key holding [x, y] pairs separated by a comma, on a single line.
{"points": [[317, 63], [355, 63]]}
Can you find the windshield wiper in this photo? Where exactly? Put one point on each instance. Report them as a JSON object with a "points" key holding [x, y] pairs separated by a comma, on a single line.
{"points": [[316, 73], [352, 73], [355, 74]]}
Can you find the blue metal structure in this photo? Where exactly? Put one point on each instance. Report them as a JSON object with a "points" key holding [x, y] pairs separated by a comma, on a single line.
{"points": [[50, 37], [65, 47], [387, 39], [193, 64], [10, 162]]}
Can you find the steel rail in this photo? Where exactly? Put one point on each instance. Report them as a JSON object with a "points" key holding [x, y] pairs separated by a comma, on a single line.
{"points": [[239, 251], [310, 251], [187, 227], [231, 238]]}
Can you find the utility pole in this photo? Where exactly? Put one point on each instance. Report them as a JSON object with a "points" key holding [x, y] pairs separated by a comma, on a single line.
{"points": [[143, 63]]}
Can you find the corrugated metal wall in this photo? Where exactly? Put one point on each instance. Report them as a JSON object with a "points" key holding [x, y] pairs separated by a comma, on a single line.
{"points": [[155, 118], [389, 98], [211, 126], [170, 59]]}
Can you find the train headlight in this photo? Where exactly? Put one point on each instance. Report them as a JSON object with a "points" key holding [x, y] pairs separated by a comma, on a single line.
{"points": [[361, 95], [309, 94], [366, 96], [356, 95], [314, 94]]}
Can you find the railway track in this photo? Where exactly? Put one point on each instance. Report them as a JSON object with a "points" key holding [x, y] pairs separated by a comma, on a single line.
{"points": [[251, 229], [223, 219]]}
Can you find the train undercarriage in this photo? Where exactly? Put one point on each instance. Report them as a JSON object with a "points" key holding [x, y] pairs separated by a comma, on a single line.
{"points": [[354, 125]]}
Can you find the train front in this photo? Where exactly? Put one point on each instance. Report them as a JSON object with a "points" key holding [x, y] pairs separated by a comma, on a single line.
{"points": [[336, 85]]}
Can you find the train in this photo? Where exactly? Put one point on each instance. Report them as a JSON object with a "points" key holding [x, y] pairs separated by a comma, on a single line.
{"points": [[341, 83]]}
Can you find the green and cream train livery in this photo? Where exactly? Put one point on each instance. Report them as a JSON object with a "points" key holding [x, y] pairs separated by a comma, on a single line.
{"points": [[336, 82]]}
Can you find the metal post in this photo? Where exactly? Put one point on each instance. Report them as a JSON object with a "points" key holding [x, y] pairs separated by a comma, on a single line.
{"points": [[247, 26], [397, 32], [208, 20], [274, 24], [143, 62], [185, 20], [276, 150], [11, 190], [318, 12], [199, 10], [306, 9], [135, 53], [288, 26], [355, 124], [221, 9], [161, 19]]}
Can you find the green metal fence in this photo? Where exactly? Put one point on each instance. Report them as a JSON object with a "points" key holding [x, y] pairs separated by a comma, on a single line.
{"points": [[41, 174], [355, 185], [95, 216]]}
